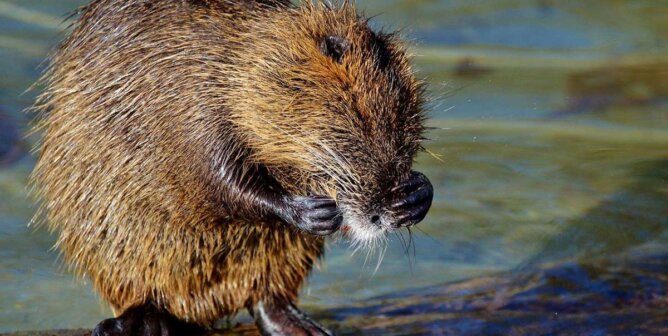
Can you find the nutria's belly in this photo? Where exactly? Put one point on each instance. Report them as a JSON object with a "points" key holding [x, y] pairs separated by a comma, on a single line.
{"points": [[204, 273]]}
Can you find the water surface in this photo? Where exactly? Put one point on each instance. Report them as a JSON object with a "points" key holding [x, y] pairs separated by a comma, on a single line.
{"points": [[549, 143]]}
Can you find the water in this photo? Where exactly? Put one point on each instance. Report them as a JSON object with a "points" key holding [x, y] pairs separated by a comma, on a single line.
{"points": [[549, 120]]}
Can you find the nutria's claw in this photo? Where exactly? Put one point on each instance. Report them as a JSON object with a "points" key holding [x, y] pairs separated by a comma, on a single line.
{"points": [[416, 197], [316, 215]]}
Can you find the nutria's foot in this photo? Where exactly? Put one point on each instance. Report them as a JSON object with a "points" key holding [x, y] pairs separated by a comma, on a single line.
{"points": [[146, 321], [415, 196], [285, 319], [317, 215]]}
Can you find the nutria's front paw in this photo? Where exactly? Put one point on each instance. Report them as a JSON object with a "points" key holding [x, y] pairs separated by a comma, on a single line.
{"points": [[413, 200], [317, 215]]}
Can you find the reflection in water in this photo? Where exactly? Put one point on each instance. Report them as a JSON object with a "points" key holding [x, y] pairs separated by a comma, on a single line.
{"points": [[630, 217], [619, 85]]}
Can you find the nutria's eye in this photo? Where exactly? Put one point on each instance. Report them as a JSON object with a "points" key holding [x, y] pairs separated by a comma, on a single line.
{"points": [[334, 47]]}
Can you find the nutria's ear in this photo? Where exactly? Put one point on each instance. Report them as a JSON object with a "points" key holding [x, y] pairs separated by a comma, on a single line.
{"points": [[335, 47]]}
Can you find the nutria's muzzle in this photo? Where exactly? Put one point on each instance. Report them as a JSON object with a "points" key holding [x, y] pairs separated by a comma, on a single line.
{"points": [[404, 205]]}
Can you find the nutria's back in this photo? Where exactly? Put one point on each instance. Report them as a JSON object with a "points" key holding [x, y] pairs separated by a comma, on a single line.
{"points": [[151, 104]]}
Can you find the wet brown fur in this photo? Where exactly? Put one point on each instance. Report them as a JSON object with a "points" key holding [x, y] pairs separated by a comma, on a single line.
{"points": [[145, 101]]}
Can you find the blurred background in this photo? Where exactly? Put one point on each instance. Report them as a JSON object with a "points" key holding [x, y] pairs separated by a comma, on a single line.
{"points": [[550, 140]]}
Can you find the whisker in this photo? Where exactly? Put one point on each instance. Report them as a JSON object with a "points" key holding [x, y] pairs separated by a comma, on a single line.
{"points": [[332, 164], [380, 259], [430, 237], [406, 245], [402, 241], [411, 242]]}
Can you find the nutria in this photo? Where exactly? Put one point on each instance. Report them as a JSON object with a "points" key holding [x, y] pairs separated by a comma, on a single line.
{"points": [[196, 152]]}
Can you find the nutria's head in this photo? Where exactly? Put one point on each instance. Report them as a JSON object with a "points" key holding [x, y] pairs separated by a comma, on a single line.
{"points": [[331, 106]]}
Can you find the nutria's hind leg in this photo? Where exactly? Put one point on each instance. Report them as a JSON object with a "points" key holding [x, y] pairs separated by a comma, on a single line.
{"points": [[146, 320], [285, 319]]}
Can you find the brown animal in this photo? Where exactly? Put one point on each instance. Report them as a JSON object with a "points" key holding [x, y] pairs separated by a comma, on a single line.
{"points": [[188, 145]]}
